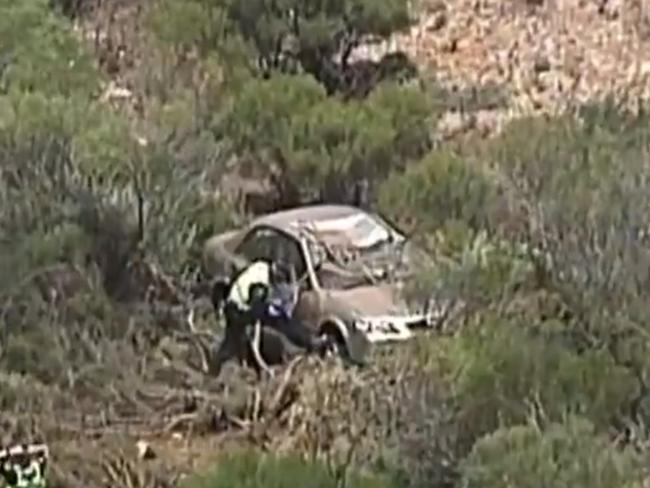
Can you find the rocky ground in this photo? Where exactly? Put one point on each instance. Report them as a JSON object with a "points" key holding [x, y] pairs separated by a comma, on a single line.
{"points": [[547, 56], [542, 56]]}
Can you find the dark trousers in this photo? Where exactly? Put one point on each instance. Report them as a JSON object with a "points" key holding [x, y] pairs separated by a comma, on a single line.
{"points": [[235, 342], [294, 330]]}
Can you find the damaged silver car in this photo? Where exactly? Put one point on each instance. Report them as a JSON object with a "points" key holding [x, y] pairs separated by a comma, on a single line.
{"points": [[350, 267]]}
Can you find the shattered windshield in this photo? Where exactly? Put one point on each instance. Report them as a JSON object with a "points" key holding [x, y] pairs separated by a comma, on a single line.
{"points": [[359, 231], [353, 251]]}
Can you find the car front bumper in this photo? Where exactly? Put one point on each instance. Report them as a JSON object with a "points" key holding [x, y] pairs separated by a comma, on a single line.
{"points": [[390, 328]]}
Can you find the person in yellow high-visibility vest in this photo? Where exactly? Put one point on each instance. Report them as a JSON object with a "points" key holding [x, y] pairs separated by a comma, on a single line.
{"points": [[255, 295], [258, 274]]}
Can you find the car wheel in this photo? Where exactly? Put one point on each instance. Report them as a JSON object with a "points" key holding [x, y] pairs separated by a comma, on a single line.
{"points": [[334, 344]]}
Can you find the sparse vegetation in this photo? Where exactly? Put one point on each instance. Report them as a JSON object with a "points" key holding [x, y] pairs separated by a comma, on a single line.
{"points": [[540, 235], [250, 469]]}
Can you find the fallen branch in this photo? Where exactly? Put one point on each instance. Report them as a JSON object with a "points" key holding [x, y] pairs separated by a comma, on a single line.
{"points": [[255, 347], [195, 338], [239, 422], [276, 403], [179, 419]]}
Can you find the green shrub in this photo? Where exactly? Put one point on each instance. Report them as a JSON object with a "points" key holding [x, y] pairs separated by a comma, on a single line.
{"points": [[287, 126], [441, 187], [503, 373], [41, 51], [563, 455], [25, 393], [249, 469], [470, 267], [584, 188]]}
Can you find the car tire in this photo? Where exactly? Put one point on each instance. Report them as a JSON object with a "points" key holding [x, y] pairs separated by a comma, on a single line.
{"points": [[334, 341]]}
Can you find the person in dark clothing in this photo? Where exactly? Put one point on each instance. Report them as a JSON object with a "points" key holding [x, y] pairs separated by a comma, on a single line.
{"points": [[233, 345], [279, 315]]}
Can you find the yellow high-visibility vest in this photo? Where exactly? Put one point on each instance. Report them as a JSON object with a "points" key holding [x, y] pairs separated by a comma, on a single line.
{"points": [[257, 272]]}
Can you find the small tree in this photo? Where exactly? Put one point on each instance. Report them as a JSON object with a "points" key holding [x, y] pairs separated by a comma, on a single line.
{"points": [[288, 129], [292, 36], [284, 62]]}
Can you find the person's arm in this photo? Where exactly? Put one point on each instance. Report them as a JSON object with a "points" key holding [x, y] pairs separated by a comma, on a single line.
{"points": [[8, 474], [258, 295]]}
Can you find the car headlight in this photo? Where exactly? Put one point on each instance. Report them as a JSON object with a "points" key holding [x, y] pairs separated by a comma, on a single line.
{"points": [[370, 325], [363, 324]]}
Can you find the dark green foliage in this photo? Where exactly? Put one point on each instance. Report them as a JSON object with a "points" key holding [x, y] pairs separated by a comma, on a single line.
{"points": [[39, 52], [75, 9], [442, 187], [567, 454], [318, 36], [503, 373], [287, 127], [250, 469], [292, 36], [284, 125]]}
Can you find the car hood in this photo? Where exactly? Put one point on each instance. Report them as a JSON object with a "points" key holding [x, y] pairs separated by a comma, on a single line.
{"points": [[369, 301]]}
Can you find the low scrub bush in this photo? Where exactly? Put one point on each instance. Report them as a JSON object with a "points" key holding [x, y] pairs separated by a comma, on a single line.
{"points": [[250, 469], [568, 454], [505, 372]]}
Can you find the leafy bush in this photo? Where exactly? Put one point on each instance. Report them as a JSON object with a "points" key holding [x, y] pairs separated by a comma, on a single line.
{"points": [[249, 469], [567, 454], [441, 187], [288, 128], [504, 372], [317, 40], [40, 52], [583, 188]]}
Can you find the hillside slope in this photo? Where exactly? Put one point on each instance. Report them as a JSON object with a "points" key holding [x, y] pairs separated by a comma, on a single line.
{"points": [[548, 56]]}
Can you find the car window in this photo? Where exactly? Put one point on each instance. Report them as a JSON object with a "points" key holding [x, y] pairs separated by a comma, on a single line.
{"points": [[288, 251], [270, 244], [257, 245]]}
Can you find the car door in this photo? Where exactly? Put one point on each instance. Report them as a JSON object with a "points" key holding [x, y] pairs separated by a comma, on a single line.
{"points": [[288, 250], [279, 247]]}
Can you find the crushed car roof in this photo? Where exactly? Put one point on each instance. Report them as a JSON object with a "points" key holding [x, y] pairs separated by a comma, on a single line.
{"points": [[339, 225], [284, 219]]}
